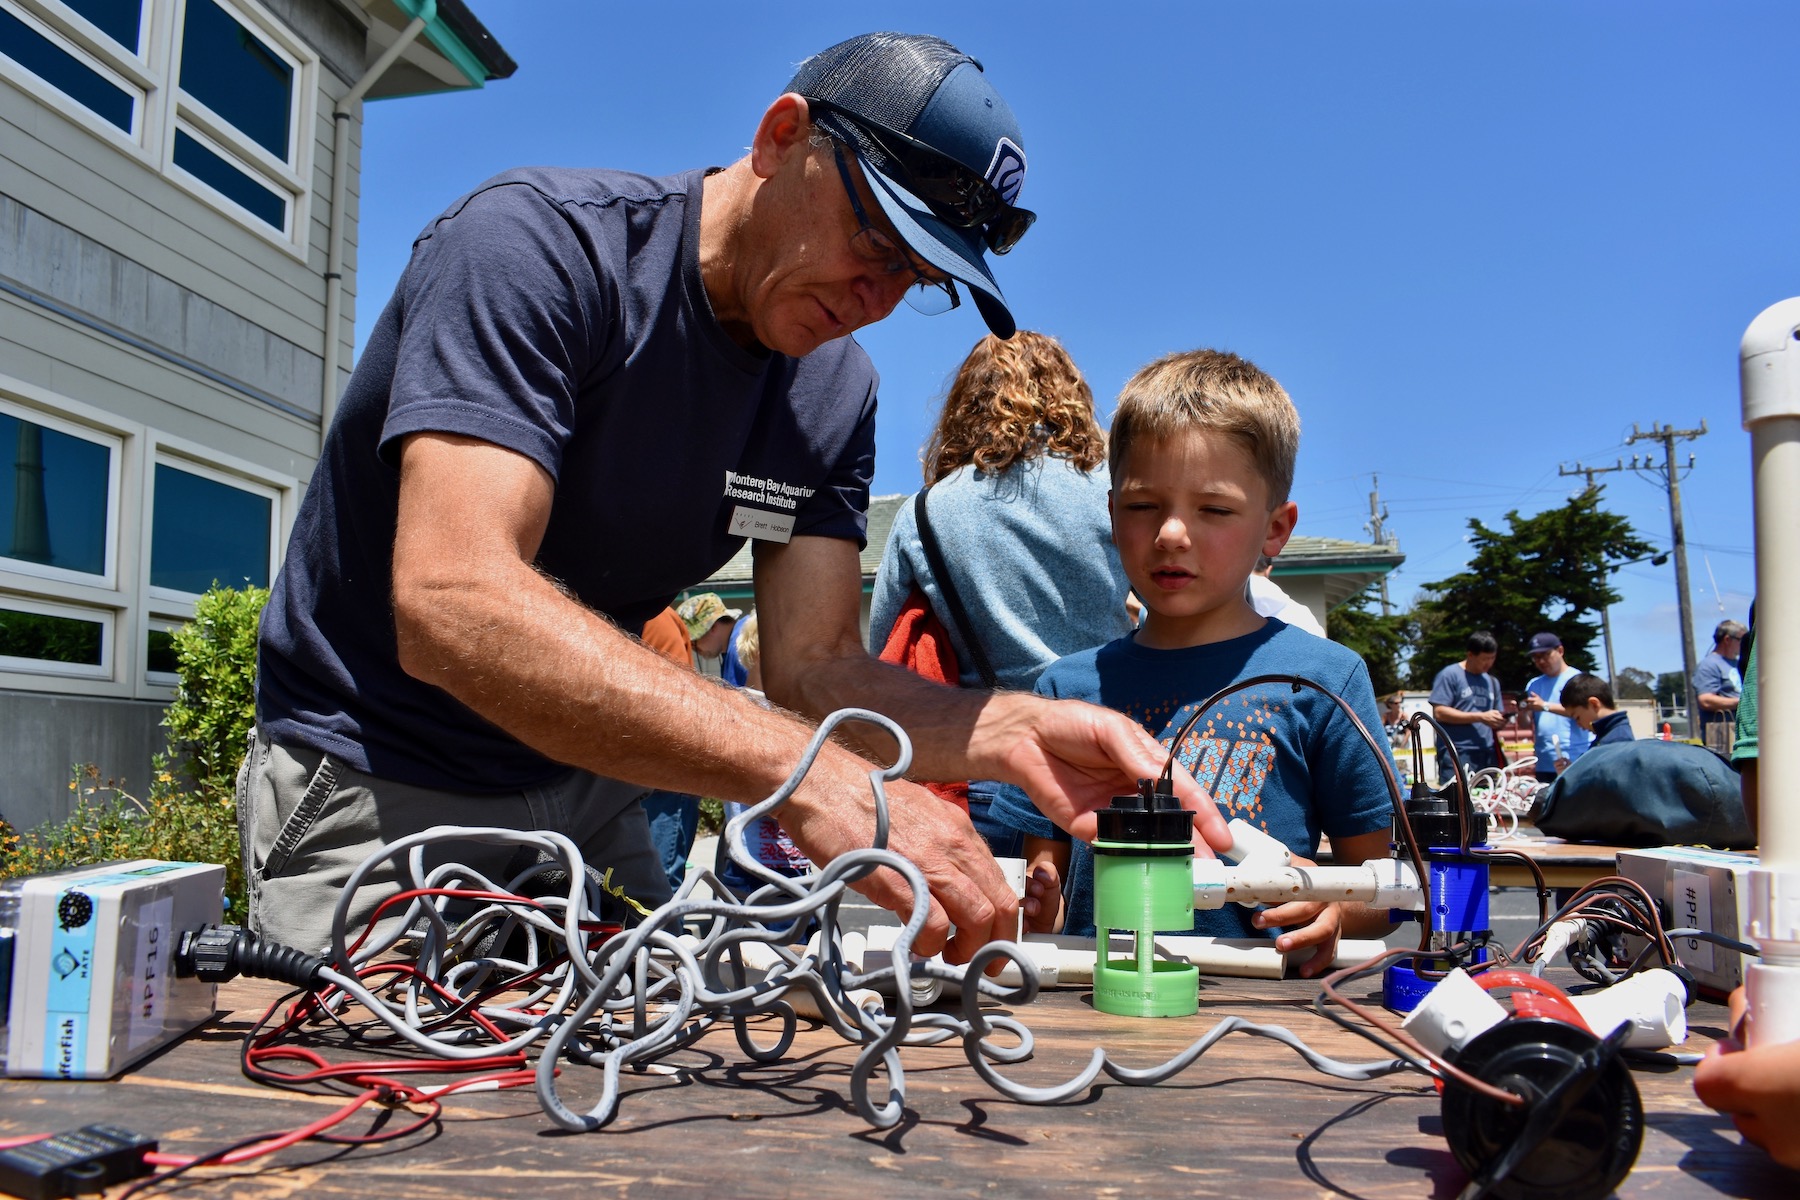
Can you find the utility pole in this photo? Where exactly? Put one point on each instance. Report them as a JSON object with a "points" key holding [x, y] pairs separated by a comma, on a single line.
{"points": [[1670, 481], [1377, 528], [1605, 609]]}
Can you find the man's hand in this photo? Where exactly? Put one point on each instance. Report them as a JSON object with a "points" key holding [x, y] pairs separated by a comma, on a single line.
{"points": [[967, 888], [1072, 758], [1492, 718]]}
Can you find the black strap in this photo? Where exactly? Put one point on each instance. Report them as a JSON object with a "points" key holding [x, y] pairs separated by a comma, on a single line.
{"points": [[959, 616]]}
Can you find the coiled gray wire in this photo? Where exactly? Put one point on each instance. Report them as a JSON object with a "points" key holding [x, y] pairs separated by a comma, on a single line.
{"points": [[659, 986]]}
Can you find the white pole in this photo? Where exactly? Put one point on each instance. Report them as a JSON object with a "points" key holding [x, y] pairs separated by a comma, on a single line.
{"points": [[1770, 366]]}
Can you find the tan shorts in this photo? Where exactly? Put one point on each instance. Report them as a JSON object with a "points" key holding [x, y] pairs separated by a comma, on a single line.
{"points": [[307, 820]]}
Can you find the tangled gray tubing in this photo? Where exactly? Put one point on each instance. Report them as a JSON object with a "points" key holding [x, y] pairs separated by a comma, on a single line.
{"points": [[659, 986]]}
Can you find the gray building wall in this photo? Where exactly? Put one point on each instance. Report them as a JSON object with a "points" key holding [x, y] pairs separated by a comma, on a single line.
{"points": [[134, 307], [46, 736]]}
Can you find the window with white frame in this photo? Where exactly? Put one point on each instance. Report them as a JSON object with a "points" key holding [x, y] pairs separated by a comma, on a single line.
{"points": [[210, 528], [159, 652], [213, 93], [45, 638], [59, 488]]}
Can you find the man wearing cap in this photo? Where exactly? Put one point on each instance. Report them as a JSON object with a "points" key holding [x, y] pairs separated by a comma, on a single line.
{"points": [[709, 623], [451, 637], [1718, 688], [1557, 739]]}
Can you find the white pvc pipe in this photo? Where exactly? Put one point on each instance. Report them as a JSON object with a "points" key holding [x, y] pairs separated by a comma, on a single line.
{"points": [[1383, 882], [1653, 1003], [1060, 960], [1250, 844], [1453, 1012], [1769, 362]]}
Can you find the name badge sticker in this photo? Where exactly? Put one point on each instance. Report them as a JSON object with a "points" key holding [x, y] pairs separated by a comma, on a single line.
{"points": [[755, 523]]}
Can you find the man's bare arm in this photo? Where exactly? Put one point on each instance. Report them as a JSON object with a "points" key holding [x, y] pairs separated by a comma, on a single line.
{"points": [[1069, 756], [474, 617]]}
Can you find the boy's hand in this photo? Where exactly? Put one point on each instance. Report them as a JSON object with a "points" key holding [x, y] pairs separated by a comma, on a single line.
{"points": [[1043, 900], [1759, 1089], [1310, 924]]}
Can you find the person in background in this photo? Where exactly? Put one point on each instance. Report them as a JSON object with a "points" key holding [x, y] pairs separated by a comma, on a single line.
{"points": [[1557, 741], [674, 816], [1466, 700], [1745, 750], [1393, 718], [1589, 702], [709, 624], [1718, 686], [763, 838], [1270, 600], [1202, 456], [1017, 497]]}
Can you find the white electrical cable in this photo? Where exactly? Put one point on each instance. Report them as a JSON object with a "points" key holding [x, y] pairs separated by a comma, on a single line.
{"points": [[654, 988]]}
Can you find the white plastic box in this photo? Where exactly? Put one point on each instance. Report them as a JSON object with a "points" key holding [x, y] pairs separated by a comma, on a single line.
{"points": [[1701, 889], [87, 985]]}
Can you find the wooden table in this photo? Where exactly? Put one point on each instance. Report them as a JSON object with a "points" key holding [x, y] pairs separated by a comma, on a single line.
{"points": [[1248, 1119], [1564, 864]]}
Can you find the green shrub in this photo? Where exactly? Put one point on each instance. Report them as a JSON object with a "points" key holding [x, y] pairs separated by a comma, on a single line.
{"points": [[189, 811]]}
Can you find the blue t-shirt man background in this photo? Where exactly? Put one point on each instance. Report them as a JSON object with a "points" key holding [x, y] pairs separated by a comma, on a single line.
{"points": [[1466, 700], [1557, 740]]}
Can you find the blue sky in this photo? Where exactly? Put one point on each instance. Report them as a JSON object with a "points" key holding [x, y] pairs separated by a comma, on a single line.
{"points": [[1475, 241]]}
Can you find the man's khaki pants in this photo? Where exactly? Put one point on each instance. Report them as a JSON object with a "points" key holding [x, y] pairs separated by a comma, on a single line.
{"points": [[307, 820]]}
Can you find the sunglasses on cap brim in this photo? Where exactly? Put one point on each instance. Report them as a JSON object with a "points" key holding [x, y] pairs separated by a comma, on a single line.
{"points": [[956, 195]]}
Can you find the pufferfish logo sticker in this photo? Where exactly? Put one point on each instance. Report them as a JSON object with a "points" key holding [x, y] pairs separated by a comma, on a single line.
{"points": [[1006, 171]]}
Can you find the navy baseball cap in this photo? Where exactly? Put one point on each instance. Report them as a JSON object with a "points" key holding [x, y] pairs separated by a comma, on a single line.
{"points": [[940, 148], [1541, 642]]}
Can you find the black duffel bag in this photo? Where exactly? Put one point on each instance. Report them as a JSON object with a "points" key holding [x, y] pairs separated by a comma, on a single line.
{"points": [[1647, 793]]}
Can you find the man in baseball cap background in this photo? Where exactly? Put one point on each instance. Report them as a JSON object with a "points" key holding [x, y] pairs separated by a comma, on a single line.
{"points": [[1557, 739], [590, 387]]}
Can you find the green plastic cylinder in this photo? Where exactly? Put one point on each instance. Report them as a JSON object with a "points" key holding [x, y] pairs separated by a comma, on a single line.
{"points": [[1142, 893]]}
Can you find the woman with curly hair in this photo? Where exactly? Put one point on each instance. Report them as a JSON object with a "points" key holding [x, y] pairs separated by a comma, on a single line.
{"points": [[1016, 470]]}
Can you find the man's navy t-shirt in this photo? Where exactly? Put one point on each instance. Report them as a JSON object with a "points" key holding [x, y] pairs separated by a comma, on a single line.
{"points": [[559, 314]]}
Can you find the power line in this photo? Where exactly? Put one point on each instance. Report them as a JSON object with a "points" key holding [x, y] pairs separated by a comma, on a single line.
{"points": [[1605, 609], [1377, 527], [1667, 475]]}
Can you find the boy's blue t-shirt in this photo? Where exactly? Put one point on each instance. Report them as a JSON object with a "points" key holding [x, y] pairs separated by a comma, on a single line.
{"points": [[1287, 761]]}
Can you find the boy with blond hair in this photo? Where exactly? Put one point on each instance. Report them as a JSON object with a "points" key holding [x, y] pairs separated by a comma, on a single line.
{"points": [[1202, 459]]}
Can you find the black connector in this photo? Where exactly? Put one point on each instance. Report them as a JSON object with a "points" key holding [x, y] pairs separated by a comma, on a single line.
{"points": [[88, 1159], [219, 953], [1152, 816]]}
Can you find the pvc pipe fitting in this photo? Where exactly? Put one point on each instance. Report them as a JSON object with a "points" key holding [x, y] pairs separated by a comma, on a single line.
{"points": [[1451, 1013], [1653, 1003]]}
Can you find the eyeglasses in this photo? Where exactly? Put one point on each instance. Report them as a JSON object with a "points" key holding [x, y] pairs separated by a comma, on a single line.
{"points": [[956, 194], [877, 249]]}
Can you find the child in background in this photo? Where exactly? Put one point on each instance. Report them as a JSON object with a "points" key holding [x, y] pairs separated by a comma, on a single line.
{"points": [[1589, 702], [764, 839], [1202, 459]]}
